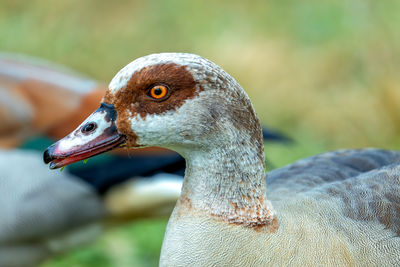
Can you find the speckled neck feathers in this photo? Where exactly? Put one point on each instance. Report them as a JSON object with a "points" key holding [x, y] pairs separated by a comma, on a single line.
{"points": [[227, 183]]}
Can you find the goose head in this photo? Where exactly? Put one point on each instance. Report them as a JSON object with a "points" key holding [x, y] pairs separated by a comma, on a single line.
{"points": [[174, 100]]}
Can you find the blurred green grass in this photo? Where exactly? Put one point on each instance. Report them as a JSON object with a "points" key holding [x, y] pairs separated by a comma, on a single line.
{"points": [[135, 244], [324, 72]]}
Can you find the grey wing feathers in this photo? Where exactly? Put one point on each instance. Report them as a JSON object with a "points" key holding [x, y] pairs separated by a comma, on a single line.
{"points": [[363, 184], [306, 174], [371, 196]]}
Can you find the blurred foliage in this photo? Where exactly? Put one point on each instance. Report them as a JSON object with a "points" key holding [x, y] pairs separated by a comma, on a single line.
{"points": [[324, 72]]}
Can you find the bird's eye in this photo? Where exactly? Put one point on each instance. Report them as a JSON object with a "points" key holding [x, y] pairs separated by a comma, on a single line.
{"points": [[158, 92]]}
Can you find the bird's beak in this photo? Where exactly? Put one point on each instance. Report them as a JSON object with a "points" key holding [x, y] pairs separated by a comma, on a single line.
{"points": [[97, 134]]}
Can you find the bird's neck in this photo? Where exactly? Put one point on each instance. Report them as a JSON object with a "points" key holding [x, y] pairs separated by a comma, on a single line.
{"points": [[227, 182]]}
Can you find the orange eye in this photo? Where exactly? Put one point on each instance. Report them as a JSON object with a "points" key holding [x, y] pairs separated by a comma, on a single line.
{"points": [[158, 92]]}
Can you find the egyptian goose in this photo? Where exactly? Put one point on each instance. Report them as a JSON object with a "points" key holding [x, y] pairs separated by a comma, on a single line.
{"points": [[38, 97], [337, 209]]}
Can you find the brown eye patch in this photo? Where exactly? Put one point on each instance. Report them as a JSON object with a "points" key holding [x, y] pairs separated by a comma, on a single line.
{"points": [[137, 98]]}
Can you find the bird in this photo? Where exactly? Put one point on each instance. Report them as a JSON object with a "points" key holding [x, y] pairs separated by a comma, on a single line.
{"points": [[40, 98], [339, 208]]}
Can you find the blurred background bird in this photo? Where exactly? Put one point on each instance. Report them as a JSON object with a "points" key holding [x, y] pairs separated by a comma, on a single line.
{"points": [[325, 72]]}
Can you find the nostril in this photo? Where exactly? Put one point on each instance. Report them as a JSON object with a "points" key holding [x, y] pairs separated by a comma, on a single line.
{"points": [[46, 156], [89, 127]]}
